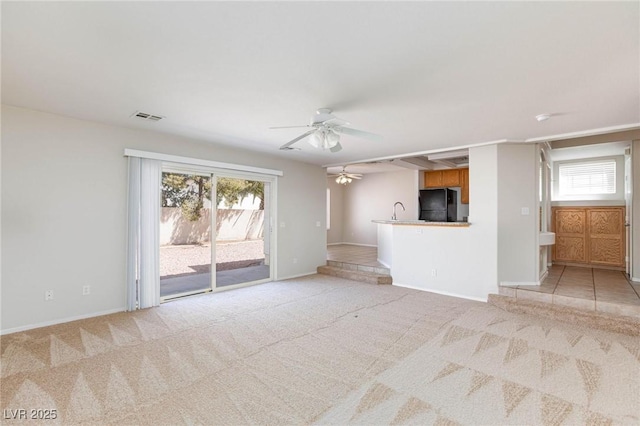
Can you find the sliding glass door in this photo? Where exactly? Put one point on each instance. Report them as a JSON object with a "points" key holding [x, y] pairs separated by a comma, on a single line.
{"points": [[242, 240], [185, 234], [213, 218]]}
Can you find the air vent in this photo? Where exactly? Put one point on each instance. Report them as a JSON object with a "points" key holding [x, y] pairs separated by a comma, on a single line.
{"points": [[459, 160], [145, 116]]}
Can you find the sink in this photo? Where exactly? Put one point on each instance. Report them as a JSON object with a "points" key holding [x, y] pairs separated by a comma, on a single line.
{"points": [[547, 238]]}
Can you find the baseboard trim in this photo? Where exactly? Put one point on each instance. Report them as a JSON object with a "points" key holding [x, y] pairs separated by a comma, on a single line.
{"points": [[361, 245], [635, 280], [444, 293], [290, 277], [543, 277], [516, 283], [61, 321], [385, 265]]}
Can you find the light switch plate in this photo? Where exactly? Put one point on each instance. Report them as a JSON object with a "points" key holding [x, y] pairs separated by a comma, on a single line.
{"points": [[524, 211]]}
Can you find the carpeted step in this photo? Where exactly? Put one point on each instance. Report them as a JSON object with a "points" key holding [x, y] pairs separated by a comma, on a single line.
{"points": [[594, 319], [365, 277]]}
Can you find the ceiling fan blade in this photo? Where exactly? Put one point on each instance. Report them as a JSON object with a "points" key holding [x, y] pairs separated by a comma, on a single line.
{"points": [[289, 127], [354, 176], [358, 133], [336, 148], [292, 141]]}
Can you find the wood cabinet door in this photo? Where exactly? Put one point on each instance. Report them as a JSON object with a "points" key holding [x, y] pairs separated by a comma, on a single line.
{"points": [[570, 226], [606, 236], [464, 186], [451, 177], [433, 179], [591, 235]]}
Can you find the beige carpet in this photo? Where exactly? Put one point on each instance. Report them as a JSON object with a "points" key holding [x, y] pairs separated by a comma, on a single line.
{"points": [[325, 350]]}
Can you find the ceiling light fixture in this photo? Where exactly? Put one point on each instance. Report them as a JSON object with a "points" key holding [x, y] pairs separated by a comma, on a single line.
{"points": [[344, 177], [324, 138], [343, 180], [543, 117]]}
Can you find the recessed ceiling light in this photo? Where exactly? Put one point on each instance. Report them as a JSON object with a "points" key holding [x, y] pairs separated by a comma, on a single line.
{"points": [[543, 117]]}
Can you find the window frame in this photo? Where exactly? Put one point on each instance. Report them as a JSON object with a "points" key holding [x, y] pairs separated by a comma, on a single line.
{"points": [[618, 195]]}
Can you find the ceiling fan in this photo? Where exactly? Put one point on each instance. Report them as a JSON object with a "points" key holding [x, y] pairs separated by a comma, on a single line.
{"points": [[325, 130], [344, 178]]}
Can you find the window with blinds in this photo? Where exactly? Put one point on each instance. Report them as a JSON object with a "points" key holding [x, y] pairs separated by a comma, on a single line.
{"points": [[587, 178]]}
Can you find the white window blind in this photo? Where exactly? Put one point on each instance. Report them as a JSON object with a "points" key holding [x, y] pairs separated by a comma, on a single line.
{"points": [[588, 178]]}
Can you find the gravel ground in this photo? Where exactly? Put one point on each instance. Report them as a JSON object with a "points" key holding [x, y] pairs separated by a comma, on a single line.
{"points": [[189, 259]]}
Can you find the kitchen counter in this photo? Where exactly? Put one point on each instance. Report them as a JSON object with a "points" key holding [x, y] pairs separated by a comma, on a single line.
{"points": [[440, 257], [422, 223]]}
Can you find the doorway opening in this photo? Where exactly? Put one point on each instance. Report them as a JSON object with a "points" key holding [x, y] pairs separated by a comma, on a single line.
{"points": [[185, 234], [241, 243], [213, 222]]}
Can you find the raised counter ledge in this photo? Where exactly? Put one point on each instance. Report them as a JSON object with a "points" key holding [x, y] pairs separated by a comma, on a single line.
{"points": [[422, 223]]}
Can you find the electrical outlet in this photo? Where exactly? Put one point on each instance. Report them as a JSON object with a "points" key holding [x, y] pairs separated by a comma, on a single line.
{"points": [[295, 260], [434, 272], [48, 295], [318, 224], [86, 290]]}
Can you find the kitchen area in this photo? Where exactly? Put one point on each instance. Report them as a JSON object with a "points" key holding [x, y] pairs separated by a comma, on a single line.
{"points": [[419, 220], [446, 239], [491, 226], [443, 200]]}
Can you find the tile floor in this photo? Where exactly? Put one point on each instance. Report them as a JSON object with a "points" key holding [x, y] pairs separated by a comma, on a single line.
{"points": [[356, 258], [349, 253], [586, 288]]}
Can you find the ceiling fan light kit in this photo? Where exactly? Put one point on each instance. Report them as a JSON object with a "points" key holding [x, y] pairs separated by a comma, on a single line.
{"points": [[343, 180], [324, 139], [325, 132]]}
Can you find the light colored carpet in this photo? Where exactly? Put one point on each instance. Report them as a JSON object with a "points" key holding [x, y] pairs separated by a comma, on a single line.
{"points": [[325, 350]]}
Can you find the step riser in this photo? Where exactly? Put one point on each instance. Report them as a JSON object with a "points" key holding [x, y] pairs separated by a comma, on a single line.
{"points": [[603, 321], [361, 276], [356, 267], [573, 302]]}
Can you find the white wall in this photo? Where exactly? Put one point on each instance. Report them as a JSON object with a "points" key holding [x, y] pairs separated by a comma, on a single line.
{"points": [[64, 184], [518, 253], [334, 234], [635, 213], [373, 198], [465, 259]]}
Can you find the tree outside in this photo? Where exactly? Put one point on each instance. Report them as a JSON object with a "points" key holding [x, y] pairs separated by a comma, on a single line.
{"points": [[189, 192]]}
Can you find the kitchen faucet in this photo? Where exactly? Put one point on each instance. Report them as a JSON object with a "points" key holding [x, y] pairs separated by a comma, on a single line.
{"points": [[394, 210]]}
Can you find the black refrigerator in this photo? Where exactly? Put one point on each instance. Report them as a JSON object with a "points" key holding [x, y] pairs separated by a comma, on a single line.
{"points": [[438, 205]]}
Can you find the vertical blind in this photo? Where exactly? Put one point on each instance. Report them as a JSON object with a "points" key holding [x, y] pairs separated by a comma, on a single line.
{"points": [[143, 240], [588, 178]]}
